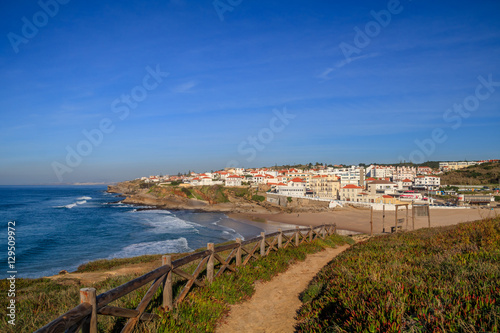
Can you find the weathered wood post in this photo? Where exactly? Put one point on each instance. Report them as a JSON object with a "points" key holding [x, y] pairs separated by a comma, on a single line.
{"points": [[88, 295], [210, 264], [297, 240], [406, 217], [238, 252], [263, 244], [383, 218], [310, 233], [371, 220], [167, 284], [396, 218], [323, 232], [280, 239], [413, 214], [429, 214]]}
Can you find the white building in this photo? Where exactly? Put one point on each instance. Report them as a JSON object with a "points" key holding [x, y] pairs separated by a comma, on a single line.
{"points": [[233, 180], [381, 187], [350, 175], [427, 182], [351, 192], [295, 188], [405, 172]]}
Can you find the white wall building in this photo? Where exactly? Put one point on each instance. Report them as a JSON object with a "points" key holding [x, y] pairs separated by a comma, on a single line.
{"points": [[233, 180], [428, 182]]}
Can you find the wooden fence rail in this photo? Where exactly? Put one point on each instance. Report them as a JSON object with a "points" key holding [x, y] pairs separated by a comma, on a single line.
{"points": [[85, 315]]}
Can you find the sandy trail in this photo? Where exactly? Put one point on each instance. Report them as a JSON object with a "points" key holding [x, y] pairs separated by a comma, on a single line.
{"points": [[275, 303]]}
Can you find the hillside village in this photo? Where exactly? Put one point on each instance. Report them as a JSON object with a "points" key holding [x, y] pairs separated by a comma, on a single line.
{"points": [[373, 184]]}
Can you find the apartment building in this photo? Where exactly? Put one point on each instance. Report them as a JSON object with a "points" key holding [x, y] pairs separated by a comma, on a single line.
{"points": [[325, 186]]}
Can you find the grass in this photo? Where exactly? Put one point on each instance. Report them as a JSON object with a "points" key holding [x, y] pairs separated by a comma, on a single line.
{"points": [[430, 280], [105, 264], [39, 301], [203, 309]]}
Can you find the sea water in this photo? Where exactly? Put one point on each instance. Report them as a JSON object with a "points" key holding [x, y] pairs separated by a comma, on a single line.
{"points": [[61, 227]]}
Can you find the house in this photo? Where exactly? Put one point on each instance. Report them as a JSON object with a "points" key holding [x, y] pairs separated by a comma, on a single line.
{"points": [[427, 182], [350, 192], [381, 186], [233, 180], [406, 183], [295, 188]]}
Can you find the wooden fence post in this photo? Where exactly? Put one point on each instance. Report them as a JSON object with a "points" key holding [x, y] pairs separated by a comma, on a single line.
{"points": [[429, 214], [297, 240], [88, 295], [280, 239], [323, 232], [396, 218], [406, 217], [263, 244], [167, 284], [210, 263], [238, 252], [371, 220], [413, 215], [383, 218], [310, 233]]}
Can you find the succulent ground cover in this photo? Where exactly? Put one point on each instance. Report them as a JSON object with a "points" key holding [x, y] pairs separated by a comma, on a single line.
{"points": [[433, 280]]}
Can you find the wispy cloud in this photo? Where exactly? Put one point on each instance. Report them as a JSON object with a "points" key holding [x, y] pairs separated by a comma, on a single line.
{"points": [[342, 63], [184, 87]]}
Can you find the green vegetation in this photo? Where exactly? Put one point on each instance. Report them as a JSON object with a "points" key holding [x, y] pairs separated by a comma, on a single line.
{"points": [[482, 174], [104, 264], [289, 199], [239, 192], [430, 280], [39, 301], [213, 194], [258, 198], [205, 307]]}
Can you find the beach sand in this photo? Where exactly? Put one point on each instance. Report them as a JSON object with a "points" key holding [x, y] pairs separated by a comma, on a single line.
{"points": [[358, 219]]}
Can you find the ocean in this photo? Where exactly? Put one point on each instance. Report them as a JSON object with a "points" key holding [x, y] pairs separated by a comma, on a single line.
{"points": [[61, 227]]}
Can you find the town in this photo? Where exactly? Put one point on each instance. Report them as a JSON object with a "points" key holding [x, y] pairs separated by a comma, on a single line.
{"points": [[363, 185]]}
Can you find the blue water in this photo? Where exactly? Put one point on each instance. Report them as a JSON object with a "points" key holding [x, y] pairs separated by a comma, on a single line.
{"points": [[62, 227]]}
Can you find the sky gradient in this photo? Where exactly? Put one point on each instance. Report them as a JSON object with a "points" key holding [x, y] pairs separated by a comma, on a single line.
{"points": [[103, 91]]}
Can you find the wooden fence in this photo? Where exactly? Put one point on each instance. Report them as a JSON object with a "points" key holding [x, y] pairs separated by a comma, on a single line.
{"points": [[84, 316]]}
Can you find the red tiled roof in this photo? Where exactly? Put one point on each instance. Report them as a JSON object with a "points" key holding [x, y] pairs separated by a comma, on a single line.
{"points": [[351, 186], [297, 180]]}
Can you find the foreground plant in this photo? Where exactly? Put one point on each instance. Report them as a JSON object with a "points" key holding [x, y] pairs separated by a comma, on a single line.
{"points": [[433, 280]]}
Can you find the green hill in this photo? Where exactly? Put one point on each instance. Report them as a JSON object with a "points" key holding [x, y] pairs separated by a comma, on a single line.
{"points": [[482, 174]]}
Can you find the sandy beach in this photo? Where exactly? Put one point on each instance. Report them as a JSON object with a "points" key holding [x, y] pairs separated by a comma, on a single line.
{"points": [[358, 219]]}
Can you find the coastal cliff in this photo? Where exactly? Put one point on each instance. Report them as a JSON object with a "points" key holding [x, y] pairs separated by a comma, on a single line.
{"points": [[204, 198]]}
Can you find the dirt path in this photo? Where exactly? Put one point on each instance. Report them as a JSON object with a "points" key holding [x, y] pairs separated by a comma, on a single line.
{"points": [[275, 303]]}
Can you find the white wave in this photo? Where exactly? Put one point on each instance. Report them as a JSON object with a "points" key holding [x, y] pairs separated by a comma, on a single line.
{"points": [[166, 223], [84, 198], [160, 247], [70, 206], [81, 202]]}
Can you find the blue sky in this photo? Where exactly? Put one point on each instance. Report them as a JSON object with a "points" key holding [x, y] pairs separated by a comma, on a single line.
{"points": [[247, 83]]}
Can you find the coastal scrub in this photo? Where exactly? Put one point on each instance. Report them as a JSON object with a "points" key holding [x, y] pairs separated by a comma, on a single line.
{"points": [[430, 280]]}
